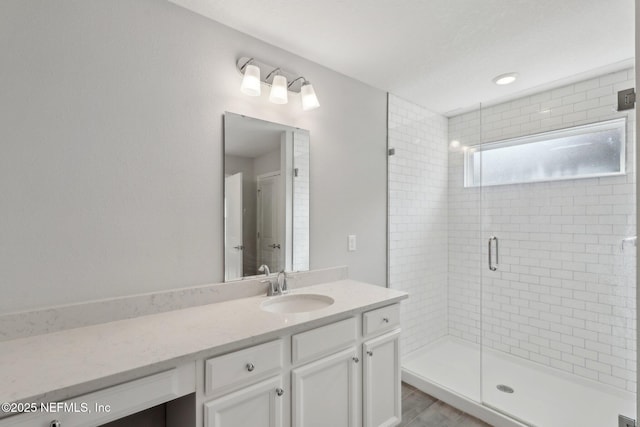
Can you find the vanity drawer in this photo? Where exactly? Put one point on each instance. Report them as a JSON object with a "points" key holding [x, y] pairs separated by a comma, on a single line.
{"points": [[381, 319], [323, 340], [243, 367]]}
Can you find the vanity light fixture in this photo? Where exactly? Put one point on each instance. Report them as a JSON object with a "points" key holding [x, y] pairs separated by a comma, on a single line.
{"points": [[280, 81], [505, 79], [251, 80]]}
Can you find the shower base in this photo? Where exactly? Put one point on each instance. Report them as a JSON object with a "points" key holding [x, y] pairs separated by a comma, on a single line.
{"points": [[449, 369]]}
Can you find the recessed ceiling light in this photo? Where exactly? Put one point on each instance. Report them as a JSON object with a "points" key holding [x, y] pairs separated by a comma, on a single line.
{"points": [[505, 79]]}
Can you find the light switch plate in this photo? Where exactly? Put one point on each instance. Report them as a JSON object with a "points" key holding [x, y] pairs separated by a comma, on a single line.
{"points": [[626, 99], [352, 242]]}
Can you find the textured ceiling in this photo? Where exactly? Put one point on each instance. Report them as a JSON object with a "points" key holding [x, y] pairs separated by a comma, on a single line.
{"points": [[442, 54]]}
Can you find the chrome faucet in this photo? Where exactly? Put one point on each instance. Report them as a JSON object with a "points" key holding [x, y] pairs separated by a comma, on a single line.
{"points": [[282, 283], [272, 290], [277, 286]]}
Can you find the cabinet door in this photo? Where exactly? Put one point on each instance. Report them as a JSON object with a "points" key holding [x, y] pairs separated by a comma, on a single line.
{"points": [[259, 405], [326, 392], [381, 370]]}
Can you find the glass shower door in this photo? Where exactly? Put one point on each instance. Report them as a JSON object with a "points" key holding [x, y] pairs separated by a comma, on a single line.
{"points": [[461, 349], [558, 338]]}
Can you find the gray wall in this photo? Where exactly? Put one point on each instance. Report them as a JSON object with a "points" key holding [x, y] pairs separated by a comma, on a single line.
{"points": [[111, 162], [267, 163]]}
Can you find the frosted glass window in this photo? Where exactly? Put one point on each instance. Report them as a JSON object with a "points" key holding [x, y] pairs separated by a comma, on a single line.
{"points": [[579, 152]]}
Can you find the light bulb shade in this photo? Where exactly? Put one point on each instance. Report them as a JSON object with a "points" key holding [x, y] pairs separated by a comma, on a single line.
{"points": [[251, 81], [309, 98], [278, 93]]}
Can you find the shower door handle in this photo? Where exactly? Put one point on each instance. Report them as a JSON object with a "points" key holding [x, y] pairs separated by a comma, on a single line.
{"points": [[633, 240], [493, 267]]}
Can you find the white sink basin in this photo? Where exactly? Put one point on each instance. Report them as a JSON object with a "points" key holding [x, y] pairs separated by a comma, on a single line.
{"points": [[296, 303]]}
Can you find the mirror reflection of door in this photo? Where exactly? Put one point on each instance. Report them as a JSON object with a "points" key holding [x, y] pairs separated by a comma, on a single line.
{"points": [[233, 212], [270, 226], [273, 223]]}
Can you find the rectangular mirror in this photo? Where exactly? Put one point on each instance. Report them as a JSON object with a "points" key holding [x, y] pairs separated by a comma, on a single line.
{"points": [[266, 197]]}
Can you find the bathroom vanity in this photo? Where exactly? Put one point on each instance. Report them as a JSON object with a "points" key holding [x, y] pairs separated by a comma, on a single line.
{"points": [[256, 361]]}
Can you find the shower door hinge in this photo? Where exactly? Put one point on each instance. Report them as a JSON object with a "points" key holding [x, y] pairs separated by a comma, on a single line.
{"points": [[626, 99], [392, 151], [625, 421]]}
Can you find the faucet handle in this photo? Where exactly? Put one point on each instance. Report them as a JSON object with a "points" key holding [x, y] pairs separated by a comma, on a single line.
{"points": [[282, 282]]}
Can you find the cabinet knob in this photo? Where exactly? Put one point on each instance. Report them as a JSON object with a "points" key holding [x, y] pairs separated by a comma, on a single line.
{"points": [[385, 319], [355, 359], [279, 391], [250, 367], [55, 423], [370, 353]]}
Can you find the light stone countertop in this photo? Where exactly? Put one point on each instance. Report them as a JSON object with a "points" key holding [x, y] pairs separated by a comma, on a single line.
{"points": [[64, 364]]}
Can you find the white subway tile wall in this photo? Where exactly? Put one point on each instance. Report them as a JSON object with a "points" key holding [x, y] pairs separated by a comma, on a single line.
{"points": [[564, 293], [301, 149], [418, 220]]}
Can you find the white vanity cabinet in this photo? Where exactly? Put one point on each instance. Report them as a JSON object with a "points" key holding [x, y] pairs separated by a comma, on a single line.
{"points": [[381, 381], [258, 405], [381, 367], [343, 374], [326, 391], [334, 366], [250, 386]]}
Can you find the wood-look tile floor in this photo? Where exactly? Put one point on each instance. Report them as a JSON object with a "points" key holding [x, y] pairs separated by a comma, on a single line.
{"points": [[421, 410]]}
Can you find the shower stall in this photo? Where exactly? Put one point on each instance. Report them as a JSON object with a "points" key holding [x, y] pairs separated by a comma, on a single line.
{"points": [[512, 226]]}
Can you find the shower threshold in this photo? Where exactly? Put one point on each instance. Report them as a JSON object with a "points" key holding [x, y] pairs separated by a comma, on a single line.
{"points": [[449, 369]]}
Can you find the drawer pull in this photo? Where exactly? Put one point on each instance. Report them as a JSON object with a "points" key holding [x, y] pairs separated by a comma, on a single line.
{"points": [[385, 319], [250, 367], [55, 423], [355, 359], [279, 391], [370, 353]]}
